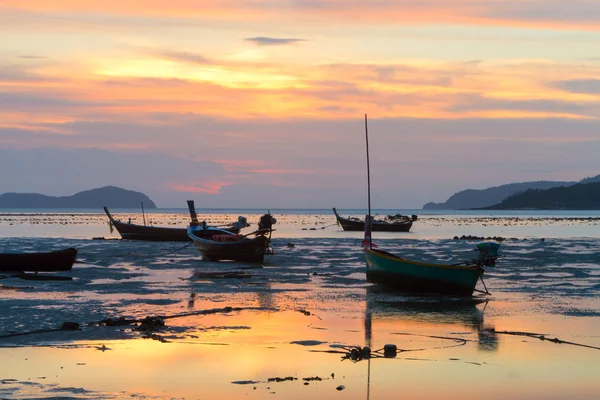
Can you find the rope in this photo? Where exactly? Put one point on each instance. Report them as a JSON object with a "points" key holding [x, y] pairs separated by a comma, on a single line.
{"points": [[543, 338], [156, 320]]}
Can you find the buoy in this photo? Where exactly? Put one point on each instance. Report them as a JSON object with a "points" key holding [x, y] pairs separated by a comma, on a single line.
{"points": [[366, 352], [390, 351]]}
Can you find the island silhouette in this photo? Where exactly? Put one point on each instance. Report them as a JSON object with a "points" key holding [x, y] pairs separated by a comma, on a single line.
{"points": [[110, 196]]}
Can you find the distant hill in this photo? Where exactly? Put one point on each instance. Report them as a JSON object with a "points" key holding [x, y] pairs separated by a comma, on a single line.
{"points": [[110, 196], [473, 198], [582, 196]]}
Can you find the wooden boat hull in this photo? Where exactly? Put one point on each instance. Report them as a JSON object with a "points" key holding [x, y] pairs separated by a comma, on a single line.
{"points": [[54, 261], [246, 250], [358, 225], [153, 233], [417, 277]]}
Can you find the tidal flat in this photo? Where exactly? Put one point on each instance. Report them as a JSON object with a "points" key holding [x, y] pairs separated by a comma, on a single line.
{"points": [[288, 328]]}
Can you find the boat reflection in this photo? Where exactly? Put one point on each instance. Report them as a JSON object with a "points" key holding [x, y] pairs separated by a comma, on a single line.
{"points": [[420, 314]]}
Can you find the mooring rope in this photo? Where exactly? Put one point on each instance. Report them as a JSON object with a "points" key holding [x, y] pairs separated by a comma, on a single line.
{"points": [[150, 320]]}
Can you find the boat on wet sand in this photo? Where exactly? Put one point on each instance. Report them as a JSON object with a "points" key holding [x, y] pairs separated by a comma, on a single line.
{"points": [[421, 277], [53, 261], [392, 223], [163, 234], [216, 244]]}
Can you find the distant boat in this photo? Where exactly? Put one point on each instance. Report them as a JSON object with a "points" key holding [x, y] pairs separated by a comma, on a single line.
{"points": [[54, 261], [417, 276], [217, 244], [392, 223], [162, 234]]}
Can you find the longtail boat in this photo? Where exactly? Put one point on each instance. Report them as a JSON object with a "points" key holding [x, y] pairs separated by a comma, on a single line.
{"points": [[421, 277], [53, 261], [417, 276], [162, 234], [391, 223], [217, 244]]}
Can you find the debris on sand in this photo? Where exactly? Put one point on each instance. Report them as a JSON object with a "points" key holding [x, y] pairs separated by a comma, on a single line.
{"points": [[472, 237], [312, 378], [278, 379], [150, 324], [307, 342], [221, 275]]}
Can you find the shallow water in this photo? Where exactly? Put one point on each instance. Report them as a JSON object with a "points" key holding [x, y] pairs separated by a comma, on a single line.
{"points": [[299, 314]]}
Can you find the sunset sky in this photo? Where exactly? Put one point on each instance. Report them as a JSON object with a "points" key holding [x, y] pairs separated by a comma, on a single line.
{"points": [[260, 103]]}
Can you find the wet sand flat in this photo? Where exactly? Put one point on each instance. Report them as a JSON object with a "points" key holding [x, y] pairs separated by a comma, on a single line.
{"points": [[294, 322]]}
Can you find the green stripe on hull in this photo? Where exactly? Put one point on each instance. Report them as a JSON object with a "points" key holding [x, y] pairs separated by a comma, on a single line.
{"points": [[385, 268]]}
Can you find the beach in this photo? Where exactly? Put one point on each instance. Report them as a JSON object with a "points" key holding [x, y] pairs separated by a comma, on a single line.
{"points": [[287, 329]]}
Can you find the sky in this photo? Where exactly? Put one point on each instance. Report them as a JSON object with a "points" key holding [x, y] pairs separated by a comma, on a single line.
{"points": [[261, 103]]}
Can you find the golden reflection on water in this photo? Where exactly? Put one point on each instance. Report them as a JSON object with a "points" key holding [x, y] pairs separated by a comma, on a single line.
{"points": [[448, 350]]}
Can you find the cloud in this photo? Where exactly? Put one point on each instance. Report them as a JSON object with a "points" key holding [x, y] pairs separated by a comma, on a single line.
{"points": [[270, 41], [184, 56], [548, 10], [204, 187], [213, 158], [17, 73], [31, 57], [118, 14], [33, 102], [480, 103], [59, 172], [587, 86]]}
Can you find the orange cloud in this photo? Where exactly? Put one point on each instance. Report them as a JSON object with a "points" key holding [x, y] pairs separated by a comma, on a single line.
{"points": [[284, 171], [239, 165], [572, 15], [417, 89], [207, 187]]}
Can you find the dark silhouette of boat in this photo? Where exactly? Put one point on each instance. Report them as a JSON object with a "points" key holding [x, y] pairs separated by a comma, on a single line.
{"points": [[53, 261], [162, 234], [392, 223], [217, 244]]}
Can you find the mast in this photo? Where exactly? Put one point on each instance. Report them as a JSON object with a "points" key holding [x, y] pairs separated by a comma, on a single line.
{"points": [[368, 316], [368, 219], [368, 168]]}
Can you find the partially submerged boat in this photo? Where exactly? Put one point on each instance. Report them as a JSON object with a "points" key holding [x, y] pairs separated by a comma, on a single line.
{"points": [[53, 261], [391, 223], [217, 244], [130, 231]]}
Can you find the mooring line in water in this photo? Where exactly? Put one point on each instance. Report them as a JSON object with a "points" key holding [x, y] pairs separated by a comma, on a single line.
{"points": [[123, 321], [544, 338], [66, 326], [147, 324]]}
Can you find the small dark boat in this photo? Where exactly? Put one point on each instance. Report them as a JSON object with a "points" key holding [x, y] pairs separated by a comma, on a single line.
{"points": [[392, 223], [54, 261], [216, 244], [162, 234]]}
